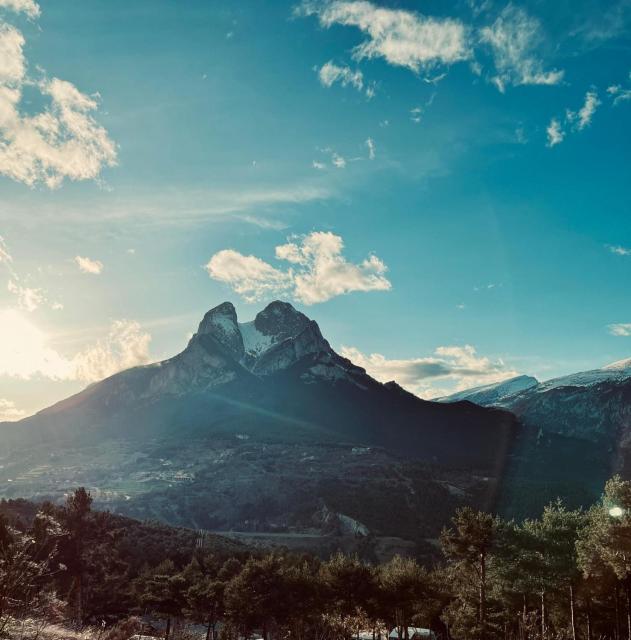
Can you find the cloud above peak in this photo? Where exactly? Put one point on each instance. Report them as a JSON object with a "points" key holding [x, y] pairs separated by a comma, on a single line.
{"points": [[318, 271]]}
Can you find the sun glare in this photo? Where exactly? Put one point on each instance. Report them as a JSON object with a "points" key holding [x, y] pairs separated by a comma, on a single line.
{"points": [[24, 350]]}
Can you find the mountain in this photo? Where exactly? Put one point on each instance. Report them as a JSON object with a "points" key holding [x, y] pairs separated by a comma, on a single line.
{"points": [[261, 425], [492, 394], [577, 433], [276, 376]]}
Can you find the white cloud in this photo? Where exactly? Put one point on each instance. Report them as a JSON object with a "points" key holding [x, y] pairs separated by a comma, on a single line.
{"points": [[416, 115], [318, 165], [29, 7], [28, 298], [8, 411], [620, 329], [331, 73], [338, 161], [513, 38], [372, 149], [87, 265], [251, 277], [619, 94], [585, 114], [319, 271], [60, 141], [403, 38], [448, 370], [26, 351], [555, 133], [5, 256], [620, 251], [574, 120], [125, 345]]}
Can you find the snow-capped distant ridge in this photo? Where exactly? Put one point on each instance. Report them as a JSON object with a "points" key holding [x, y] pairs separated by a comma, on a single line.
{"points": [[619, 364], [493, 393], [614, 372]]}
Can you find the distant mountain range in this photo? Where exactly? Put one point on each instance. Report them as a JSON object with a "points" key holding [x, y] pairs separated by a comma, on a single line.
{"points": [[576, 433]]}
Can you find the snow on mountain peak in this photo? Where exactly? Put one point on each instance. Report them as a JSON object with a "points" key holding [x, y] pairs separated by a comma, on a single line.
{"points": [[495, 392]]}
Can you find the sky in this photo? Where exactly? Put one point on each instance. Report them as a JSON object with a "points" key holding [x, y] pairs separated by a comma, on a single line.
{"points": [[444, 186]]}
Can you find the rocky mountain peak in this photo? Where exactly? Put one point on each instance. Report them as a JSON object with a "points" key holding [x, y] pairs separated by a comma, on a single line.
{"points": [[221, 323], [281, 320]]}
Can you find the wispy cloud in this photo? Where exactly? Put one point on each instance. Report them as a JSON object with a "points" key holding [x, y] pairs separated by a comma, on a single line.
{"points": [[619, 250], [514, 38], [620, 329], [583, 117], [174, 207], [620, 93], [29, 7], [574, 120], [88, 265], [318, 273], [330, 73], [555, 133], [422, 43], [62, 141], [338, 161], [372, 148], [416, 115], [403, 38], [28, 298], [449, 369]]}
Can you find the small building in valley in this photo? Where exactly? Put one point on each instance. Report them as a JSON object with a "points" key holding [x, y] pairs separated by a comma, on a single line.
{"points": [[414, 633]]}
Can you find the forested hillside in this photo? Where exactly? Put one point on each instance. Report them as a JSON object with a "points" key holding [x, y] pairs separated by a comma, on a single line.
{"points": [[563, 575]]}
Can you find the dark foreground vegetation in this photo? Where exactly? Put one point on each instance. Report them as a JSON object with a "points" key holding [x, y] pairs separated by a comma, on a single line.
{"points": [[564, 575]]}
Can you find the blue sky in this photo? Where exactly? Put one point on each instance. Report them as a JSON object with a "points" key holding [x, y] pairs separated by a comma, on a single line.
{"points": [[448, 183]]}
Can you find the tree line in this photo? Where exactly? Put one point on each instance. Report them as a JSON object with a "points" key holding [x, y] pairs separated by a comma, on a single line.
{"points": [[565, 575]]}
